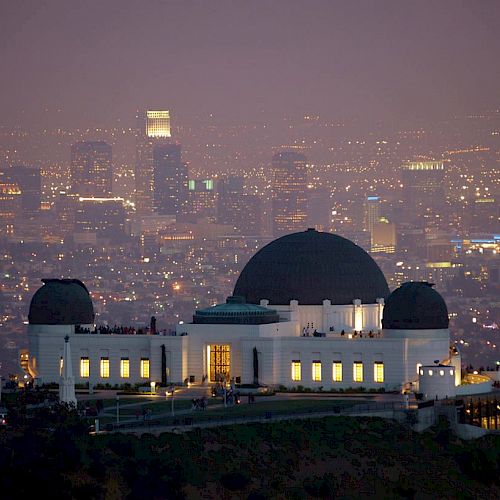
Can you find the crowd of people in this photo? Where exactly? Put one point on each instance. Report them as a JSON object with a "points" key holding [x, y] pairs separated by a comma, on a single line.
{"points": [[124, 330]]}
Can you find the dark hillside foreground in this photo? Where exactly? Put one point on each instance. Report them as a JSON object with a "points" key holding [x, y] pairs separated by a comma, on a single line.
{"points": [[317, 458]]}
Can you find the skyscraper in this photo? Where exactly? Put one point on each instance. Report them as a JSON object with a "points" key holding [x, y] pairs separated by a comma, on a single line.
{"points": [[201, 199], [372, 212], [423, 192], [153, 129], [91, 170], [28, 179], [10, 206], [241, 210], [170, 177], [289, 192], [319, 208]]}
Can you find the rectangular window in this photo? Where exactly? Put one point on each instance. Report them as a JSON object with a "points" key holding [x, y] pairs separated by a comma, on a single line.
{"points": [[84, 367], [145, 367], [296, 371], [124, 368], [61, 366], [104, 367], [357, 371], [337, 371], [316, 371], [378, 371]]}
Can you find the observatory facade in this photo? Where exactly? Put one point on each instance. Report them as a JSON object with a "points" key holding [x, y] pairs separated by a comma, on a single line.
{"points": [[309, 309]]}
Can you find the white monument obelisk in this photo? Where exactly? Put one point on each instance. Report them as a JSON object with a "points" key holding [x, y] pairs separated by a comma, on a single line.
{"points": [[67, 381]]}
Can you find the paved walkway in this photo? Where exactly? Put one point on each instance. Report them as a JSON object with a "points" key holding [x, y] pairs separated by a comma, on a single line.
{"points": [[159, 429]]}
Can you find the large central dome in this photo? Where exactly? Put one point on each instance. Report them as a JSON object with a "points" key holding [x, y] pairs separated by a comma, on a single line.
{"points": [[310, 267]]}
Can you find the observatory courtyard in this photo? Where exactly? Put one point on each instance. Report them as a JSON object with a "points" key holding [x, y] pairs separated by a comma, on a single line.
{"points": [[309, 309]]}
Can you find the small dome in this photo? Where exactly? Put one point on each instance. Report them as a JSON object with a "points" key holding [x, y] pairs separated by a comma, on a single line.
{"points": [[415, 306], [236, 312], [310, 267], [61, 302]]}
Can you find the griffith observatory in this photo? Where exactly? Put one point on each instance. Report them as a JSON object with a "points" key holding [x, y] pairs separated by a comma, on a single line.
{"points": [[309, 309]]}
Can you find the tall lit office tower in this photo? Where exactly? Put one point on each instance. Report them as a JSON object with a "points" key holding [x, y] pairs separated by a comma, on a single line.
{"points": [[237, 208], [201, 199], [423, 193], [10, 205], [170, 176], [371, 212], [153, 129], [28, 178], [91, 170], [289, 192]]}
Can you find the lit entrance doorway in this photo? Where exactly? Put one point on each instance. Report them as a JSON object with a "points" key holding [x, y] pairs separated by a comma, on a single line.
{"points": [[219, 362]]}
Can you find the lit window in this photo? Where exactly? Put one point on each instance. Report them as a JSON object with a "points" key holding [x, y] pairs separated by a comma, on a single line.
{"points": [[61, 366], [421, 372], [430, 373], [337, 371], [104, 367], [145, 367], [451, 373], [378, 371], [296, 371], [84, 367], [418, 367], [124, 368], [316, 371], [441, 372], [357, 371]]}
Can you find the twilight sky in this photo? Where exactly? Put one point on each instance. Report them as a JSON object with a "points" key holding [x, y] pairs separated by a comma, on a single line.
{"points": [[374, 60]]}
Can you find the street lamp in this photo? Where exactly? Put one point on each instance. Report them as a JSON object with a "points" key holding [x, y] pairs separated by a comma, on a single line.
{"points": [[170, 391]]}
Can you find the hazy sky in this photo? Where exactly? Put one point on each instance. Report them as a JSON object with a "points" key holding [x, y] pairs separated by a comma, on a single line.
{"points": [[373, 60]]}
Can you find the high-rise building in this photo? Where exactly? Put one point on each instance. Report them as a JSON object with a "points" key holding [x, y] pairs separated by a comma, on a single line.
{"points": [[319, 208], [371, 212], [28, 178], [153, 129], [158, 124], [10, 206], [201, 199], [236, 208], [289, 192], [91, 170], [65, 208], [170, 176], [423, 193], [383, 237], [103, 216]]}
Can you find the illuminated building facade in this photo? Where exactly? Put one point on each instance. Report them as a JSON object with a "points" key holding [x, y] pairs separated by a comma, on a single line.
{"points": [[158, 124], [309, 309], [289, 192], [153, 129], [91, 168], [10, 206], [383, 237]]}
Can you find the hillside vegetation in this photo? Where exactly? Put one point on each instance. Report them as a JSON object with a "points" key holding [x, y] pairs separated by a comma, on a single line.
{"points": [[317, 458]]}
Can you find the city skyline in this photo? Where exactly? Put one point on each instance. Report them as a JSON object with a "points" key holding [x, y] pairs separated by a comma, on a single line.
{"points": [[367, 61]]}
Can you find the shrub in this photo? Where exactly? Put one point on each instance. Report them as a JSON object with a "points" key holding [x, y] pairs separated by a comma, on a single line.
{"points": [[235, 481]]}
